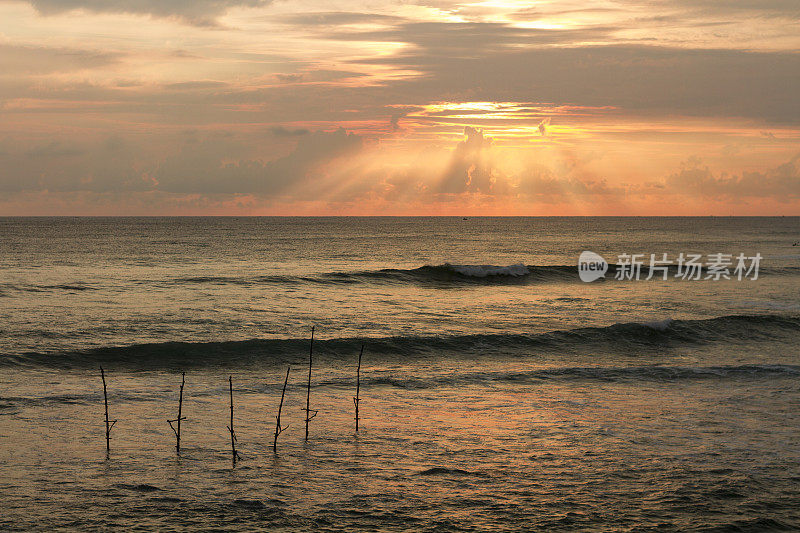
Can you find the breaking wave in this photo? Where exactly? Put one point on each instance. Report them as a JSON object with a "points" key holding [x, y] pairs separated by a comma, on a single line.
{"points": [[443, 276], [446, 274]]}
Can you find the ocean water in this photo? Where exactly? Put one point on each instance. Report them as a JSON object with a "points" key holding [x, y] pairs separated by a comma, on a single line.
{"points": [[498, 391]]}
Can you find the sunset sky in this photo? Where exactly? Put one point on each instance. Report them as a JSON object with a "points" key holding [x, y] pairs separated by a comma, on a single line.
{"points": [[311, 107]]}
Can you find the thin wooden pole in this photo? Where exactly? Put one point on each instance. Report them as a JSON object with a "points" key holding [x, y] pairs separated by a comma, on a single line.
{"points": [[180, 411], [109, 423], [234, 453], [308, 409], [278, 428], [357, 399], [178, 420]]}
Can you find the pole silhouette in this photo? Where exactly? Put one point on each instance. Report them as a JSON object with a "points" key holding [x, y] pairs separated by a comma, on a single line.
{"points": [[308, 409], [278, 428], [177, 421], [357, 399], [109, 424], [234, 453]]}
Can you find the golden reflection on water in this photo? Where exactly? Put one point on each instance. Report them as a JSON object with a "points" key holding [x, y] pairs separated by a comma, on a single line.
{"points": [[476, 450]]}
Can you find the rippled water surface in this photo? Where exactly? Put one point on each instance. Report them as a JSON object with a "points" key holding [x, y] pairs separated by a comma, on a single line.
{"points": [[498, 391]]}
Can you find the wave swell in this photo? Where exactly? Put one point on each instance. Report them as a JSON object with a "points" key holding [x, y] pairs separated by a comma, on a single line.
{"points": [[615, 338]]}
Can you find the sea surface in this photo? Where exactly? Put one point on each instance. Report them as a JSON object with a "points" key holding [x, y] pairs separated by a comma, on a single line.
{"points": [[498, 392]]}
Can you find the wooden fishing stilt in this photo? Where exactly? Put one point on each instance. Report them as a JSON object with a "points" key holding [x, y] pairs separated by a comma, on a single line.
{"points": [[356, 398], [308, 409], [278, 428], [234, 453], [177, 430], [109, 423]]}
